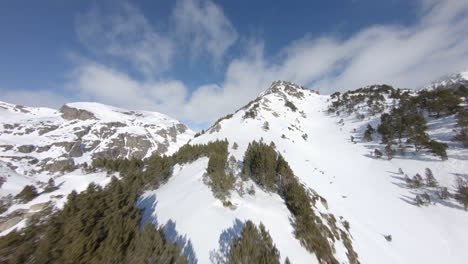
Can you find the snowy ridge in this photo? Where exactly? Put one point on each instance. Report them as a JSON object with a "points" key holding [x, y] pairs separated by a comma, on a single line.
{"points": [[450, 81], [38, 144], [367, 192], [41, 139]]}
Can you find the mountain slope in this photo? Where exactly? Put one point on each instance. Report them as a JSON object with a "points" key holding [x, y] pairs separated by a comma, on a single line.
{"points": [[42, 144], [42, 139], [368, 192], [450, 81]]}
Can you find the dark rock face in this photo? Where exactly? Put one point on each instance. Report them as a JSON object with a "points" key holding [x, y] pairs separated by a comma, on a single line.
{"points": [[74, 149], [181, 128], [43, 148], [26, 148], [6, 147], [59, 165], [70, 113], [126, 145], [46, 129]]}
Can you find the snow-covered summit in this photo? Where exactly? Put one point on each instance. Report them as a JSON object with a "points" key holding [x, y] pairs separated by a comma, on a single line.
{"points": [[367, 192], [450, 81], [43, 139]]}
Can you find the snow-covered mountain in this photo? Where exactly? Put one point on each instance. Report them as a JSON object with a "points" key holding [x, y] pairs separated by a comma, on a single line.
{"points": [[369, 193], [450, 81], [42, 139], [363, 203], [38, 144]]}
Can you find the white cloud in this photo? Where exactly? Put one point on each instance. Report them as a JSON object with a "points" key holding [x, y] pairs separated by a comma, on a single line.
{"points": [[128, 35], [404, 56], [33, 98], [204, 28]]}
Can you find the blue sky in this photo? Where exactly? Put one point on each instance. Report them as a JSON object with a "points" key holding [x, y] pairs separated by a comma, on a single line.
{"points": [[197, 60]]}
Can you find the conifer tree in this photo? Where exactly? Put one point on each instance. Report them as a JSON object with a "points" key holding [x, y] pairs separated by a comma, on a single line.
{"points": [[462, 192], [368, 133], [430, 179], [254, 246], [28, 193]]}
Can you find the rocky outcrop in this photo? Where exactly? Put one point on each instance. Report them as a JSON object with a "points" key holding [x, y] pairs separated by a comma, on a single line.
{"points": [[59, 165], [6, 147], [70, 113], [26, 148], [43, 148], [13, 218], [126, 146], [76, 150], [46, 129]]}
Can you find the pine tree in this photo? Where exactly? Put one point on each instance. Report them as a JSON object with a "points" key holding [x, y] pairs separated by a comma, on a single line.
{"points": [[50, 186], [378, 154], [417, 181], [443, 193], [462, 192], [28, 193], [368, 133], [389, 151], [430, 179], [254, 246]]}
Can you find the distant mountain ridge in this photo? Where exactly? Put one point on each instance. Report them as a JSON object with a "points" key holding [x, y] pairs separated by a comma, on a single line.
{"points": [[35, 140], [363, 182], [452, 81]]}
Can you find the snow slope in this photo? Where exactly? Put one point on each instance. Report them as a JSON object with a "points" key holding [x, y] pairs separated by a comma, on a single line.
{"points": [[367, 192]]}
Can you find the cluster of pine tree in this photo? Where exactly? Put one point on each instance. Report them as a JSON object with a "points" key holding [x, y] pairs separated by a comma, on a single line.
{"points": [[253, 246], [271, 171], [99, 225], [407, 122], [102, 225], [28, 193], [372, 96], [406, 119]]}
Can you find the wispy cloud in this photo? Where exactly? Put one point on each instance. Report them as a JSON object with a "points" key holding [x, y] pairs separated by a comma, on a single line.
{"points": [[404, 56], [126, 34], [203, 28]]}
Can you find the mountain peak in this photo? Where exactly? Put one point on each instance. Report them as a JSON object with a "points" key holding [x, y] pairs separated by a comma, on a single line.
{"points": [[450, 81], [285, 87]]}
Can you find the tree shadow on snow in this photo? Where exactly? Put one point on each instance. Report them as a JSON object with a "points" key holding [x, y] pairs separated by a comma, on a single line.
{"points": [[185, 244], [148, 206], [431, 191], [461, 175], [221, 254]]}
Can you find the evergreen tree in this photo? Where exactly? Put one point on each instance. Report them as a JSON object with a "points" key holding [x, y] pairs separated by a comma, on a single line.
{"points": [[378, 154], [50, 186], [368, 133], [443, 193], [430, 179], [389, 151], [438, 148], [462, 192], [254, 246], [28, 193], [417, 181]]}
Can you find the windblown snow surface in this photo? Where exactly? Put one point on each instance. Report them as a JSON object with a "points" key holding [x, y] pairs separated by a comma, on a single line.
{"points": [[367, 192]]}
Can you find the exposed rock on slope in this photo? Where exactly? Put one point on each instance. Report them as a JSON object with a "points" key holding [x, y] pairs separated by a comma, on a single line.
{"points": [[42, 139], [450, 81]]}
